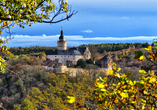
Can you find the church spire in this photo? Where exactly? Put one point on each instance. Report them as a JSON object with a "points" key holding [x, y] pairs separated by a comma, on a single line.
{"points": [[61, 36], [61, 44]]}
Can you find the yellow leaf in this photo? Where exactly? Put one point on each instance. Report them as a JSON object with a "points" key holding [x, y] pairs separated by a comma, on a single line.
{"points": [[151, 72], [153, 108], [110, 72], [149, 47], [125, 95], [118, 69], [114, 66], [103, 90], [117, 75], [142, 71], [100, 85], [71, 99], [141, 58], [131, 83], [152, 80]]}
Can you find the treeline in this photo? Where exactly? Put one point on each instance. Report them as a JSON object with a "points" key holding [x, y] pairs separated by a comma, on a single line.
{"points": [[114, 47], [29, 50], [99, 47]]}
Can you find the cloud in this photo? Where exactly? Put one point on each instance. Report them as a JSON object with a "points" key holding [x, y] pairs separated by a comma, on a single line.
{"points": [[72, 40], [126, 18], [87, 31]]}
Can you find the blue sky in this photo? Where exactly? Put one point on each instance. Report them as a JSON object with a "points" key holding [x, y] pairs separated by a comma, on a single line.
{"points": [[97, 21]]}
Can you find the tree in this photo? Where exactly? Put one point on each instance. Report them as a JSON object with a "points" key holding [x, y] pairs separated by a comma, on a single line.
{"points": [[23, 12], [81, 63], [89, 61], [93, 49]]}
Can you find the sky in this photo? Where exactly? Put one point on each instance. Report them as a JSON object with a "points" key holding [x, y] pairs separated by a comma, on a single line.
{"points": [[97, 21]]}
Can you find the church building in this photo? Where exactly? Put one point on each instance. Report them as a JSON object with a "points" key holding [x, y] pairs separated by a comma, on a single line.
{"points": [[65, 57]]}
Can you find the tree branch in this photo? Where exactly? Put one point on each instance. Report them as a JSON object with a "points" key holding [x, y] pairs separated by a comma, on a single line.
{"points": [[40, 20]]}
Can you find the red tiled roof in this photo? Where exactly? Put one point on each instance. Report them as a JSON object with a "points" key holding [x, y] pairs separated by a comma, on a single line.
{"points": [[51, 63], [46, 63]]}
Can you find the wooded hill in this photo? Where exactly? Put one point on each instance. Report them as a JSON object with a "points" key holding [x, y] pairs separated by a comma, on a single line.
{"points": [[43, 90]]}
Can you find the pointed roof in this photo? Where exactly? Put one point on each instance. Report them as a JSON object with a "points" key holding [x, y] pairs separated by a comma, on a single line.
{"points": [[106, 58], [51, 63], [82, 49], [46, 63], [61, 36]]}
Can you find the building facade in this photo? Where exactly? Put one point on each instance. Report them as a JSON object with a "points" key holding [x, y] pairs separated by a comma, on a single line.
{"points": [[106, 62], [67, 57]]}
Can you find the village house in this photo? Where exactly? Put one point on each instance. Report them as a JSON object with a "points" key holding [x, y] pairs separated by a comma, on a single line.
{"points": [[105, 63]]}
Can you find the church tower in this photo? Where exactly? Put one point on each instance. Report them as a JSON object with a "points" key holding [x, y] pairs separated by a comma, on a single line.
{"points": [[61, 44]]}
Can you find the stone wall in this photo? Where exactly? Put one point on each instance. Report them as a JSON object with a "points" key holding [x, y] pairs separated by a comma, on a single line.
{"points": [[74, 72], [60, 69]]}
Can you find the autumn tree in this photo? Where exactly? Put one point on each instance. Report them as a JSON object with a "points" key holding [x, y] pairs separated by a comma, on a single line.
{"points": [[127, 94], [26, 11]]}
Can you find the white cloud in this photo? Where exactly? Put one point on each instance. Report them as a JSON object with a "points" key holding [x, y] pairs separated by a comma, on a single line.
{"points": [[87, 31], [44, 35], [126, 18], [72, 40]]}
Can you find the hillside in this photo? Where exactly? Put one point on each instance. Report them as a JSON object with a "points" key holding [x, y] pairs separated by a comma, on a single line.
{"points": [[26, 84]]}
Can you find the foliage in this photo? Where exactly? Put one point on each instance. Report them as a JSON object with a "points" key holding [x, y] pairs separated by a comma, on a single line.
{"points": [[41, 55], [89, 61], [29, 71], [58, 94], [113, 47], [81, 63], [127, 94], [3, 42], [29, 50], [23, 12]]}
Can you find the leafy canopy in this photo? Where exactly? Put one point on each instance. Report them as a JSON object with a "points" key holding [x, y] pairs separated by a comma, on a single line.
{"points": [[23, 12]]}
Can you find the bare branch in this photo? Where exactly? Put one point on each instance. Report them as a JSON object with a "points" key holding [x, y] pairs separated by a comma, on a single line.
{"points": [[68, 16]]}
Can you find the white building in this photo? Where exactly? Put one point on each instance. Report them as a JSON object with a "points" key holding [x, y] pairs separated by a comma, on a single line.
{"points": [[66, 57]]}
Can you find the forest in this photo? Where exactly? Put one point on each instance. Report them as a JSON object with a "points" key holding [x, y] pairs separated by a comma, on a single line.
{"points": [[27, 85]]}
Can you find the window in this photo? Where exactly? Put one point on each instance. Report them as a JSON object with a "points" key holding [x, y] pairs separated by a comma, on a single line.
{"points": [[68, 56], [55, 56]]}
